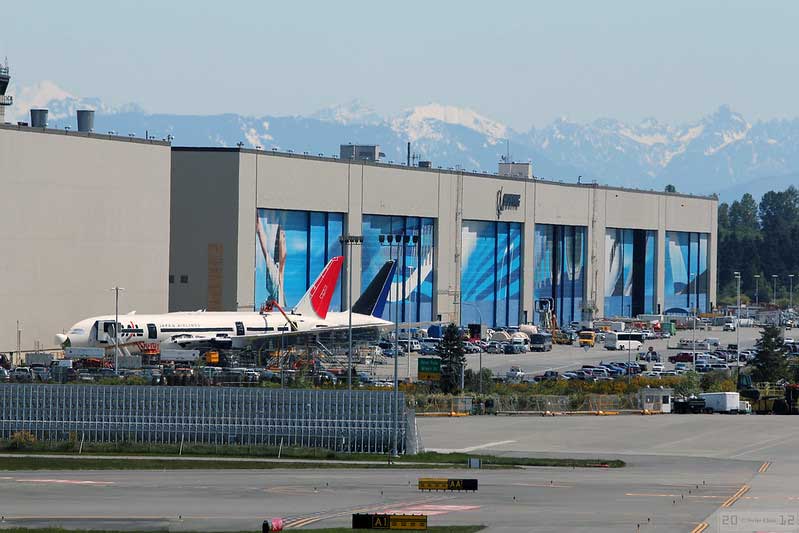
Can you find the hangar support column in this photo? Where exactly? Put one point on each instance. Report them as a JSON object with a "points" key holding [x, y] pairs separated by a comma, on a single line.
{"points": [[712, 262], [448, 247], [354, 226], [528, 256], [595, 284], [660, 255]]}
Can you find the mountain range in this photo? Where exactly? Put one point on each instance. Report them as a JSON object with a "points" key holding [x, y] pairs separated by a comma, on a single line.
{"points": [[720, 153]]}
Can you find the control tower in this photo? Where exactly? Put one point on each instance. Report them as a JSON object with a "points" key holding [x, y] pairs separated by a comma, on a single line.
{"points": [[5, 100]]}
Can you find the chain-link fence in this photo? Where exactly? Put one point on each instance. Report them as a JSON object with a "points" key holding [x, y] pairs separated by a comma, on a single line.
{"points": [[555, 403], [362, 422]]}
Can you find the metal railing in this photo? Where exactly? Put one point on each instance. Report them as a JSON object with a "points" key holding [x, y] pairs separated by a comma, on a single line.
{"points": [[6, 99], [202, 415]]}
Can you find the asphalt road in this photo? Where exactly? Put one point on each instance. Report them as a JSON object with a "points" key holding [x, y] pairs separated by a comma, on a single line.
{"points": [[749, 462], [682, 470], [540, 499]]}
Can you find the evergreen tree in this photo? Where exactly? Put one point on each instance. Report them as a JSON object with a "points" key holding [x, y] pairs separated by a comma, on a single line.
{"points": [[453, 358], [670, 188], [770, 364]]}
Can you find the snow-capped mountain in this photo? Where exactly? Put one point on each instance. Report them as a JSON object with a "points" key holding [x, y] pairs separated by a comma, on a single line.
{"points": [[719, 153]]}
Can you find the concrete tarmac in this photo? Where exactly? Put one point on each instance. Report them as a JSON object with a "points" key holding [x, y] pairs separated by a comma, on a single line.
{"points": [[684, 473], [537, 499]]}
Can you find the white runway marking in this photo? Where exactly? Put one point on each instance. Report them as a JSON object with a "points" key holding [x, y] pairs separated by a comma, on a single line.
{"points": [[474, 448], [432, 510], [65, 481]]}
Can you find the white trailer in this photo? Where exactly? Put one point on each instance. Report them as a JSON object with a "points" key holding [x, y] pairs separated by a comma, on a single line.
{"points": [[180, 356], [721, 402]]}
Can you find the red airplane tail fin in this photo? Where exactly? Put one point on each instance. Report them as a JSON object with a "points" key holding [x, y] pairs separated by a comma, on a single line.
{"points": [[316, 301]]}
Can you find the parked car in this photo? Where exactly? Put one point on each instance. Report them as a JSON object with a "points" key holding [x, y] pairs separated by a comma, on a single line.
{"points": [[5, 375], [428, 349], [658, 367], [22, 374], [682, 357], [494, 347], [40, 373], [549, 375]]}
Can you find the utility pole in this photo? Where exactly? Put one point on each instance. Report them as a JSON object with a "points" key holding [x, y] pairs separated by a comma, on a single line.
{"points": [[774, 294], [19, 344], [757, 295], [738, 330], [790, 297], [349, 241], [116, 290]]}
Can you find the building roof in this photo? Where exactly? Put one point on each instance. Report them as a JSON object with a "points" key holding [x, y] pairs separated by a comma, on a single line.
{"points": [[88, 135], [334, 159]]}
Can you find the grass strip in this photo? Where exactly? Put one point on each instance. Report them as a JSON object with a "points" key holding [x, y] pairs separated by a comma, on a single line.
{"points": [[498, 460], [239, 451], [110, 463], [432, 529]]}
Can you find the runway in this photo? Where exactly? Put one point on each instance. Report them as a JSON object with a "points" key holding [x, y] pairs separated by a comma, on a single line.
{"points": [[539, 499], [691, 473]]}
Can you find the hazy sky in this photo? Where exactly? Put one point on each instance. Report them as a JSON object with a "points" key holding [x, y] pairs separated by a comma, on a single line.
{"points": [[523, 63]]}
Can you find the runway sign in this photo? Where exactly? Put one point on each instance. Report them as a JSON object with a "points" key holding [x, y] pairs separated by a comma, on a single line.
{"points": [[389, 521], [434, 483], [429, 369]]}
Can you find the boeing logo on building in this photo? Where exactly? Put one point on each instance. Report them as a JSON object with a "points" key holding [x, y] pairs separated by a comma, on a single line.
{"points": [[507, 201]]}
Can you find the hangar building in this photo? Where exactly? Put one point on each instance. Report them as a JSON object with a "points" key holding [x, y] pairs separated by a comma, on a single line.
{"points": [[80, 213], [249, 226]]}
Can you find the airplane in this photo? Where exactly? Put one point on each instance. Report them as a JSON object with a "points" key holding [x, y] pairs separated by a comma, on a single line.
{"points": [[306, 322], [366, 324]]}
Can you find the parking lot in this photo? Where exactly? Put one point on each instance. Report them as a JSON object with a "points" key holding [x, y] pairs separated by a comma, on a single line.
{"points": [[563, 358]]}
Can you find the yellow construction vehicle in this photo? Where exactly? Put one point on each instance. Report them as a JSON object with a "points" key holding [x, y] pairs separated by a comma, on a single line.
{"points": [[586, 338]]}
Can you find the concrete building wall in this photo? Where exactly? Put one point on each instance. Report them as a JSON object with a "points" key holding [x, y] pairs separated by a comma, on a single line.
{"points": [[203, 262], [294, 182], [79, 214]]}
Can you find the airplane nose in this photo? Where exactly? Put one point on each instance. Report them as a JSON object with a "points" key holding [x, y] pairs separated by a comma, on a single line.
{"points": [[61, 339]]}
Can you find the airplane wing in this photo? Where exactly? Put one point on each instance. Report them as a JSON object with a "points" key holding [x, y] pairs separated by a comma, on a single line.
{"points": [[198, 341], [338, 334]]}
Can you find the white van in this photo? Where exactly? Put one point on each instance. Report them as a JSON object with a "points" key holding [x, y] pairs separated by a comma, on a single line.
{"points": [[412, 345], [624, 341]]}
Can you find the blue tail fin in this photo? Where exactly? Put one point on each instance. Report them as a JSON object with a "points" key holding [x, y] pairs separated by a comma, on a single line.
{"points": [[373, 300]]}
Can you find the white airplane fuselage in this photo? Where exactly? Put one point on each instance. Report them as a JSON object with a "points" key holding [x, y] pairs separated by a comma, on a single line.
{"points": [[186, 329]]}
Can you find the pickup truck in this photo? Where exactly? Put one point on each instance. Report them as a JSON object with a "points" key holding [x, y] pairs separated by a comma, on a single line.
{"points": [[682, 357], [549, 375], [515, 373]]}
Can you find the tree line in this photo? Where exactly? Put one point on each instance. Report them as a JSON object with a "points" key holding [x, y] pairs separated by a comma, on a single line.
{"points": [[758, 239]]}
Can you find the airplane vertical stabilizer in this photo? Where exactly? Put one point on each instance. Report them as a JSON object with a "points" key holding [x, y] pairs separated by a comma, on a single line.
{"points": [[373, 300], [316, 302]]}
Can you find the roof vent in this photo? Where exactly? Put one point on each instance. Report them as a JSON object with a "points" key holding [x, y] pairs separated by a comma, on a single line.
{"points": [[85, 120], [38, 118]]}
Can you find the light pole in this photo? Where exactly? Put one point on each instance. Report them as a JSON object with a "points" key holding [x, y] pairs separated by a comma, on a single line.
{"points": [[480, 375], [738, 330], [757, 294], [116, 290], [774, 294], [693, 313], [790, 294], [402, 241], [349, 241]]}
